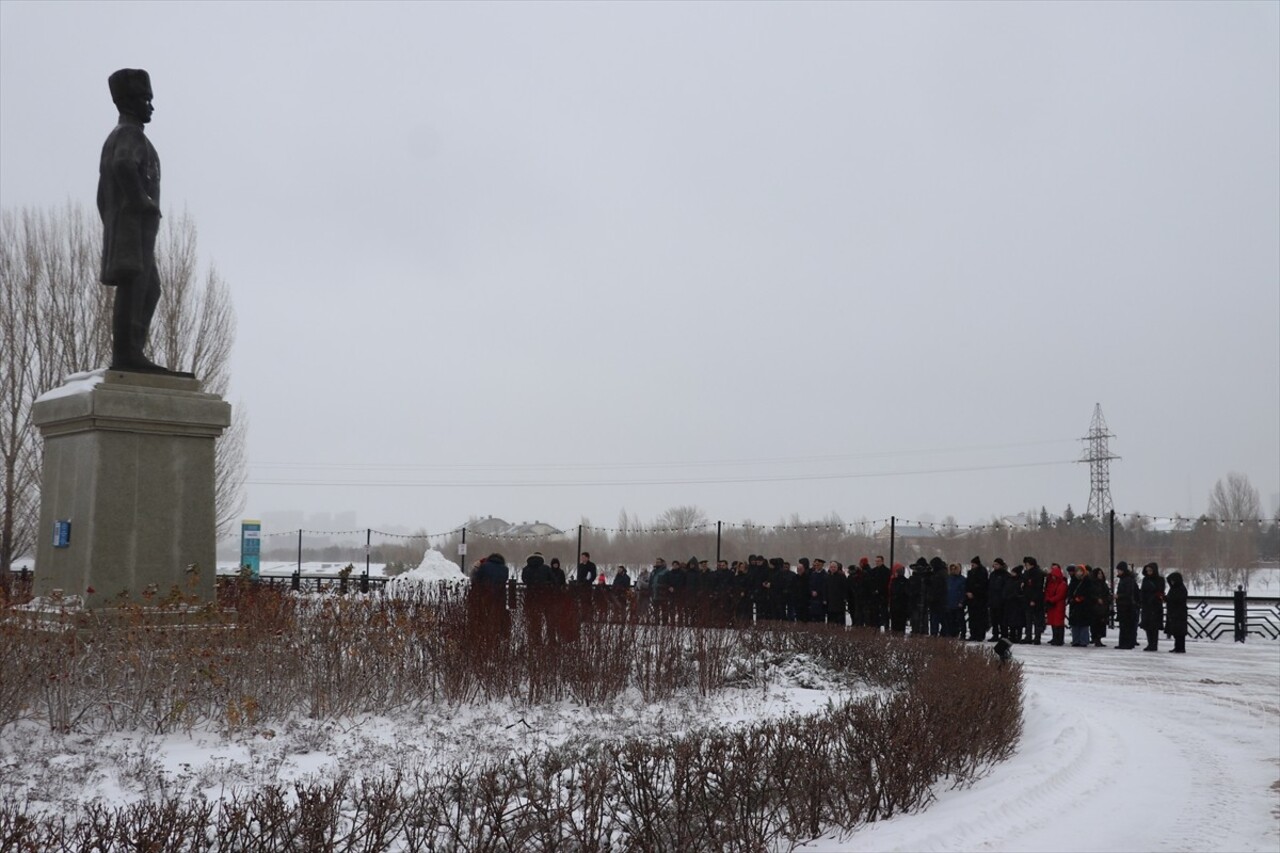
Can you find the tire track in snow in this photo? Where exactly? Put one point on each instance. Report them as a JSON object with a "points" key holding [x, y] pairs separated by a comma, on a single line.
{"points": [[1136, 751], [1080, 753]]}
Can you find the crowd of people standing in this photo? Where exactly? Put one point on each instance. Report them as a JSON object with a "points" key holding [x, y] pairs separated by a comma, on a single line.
{"points": [[1018, 603]]}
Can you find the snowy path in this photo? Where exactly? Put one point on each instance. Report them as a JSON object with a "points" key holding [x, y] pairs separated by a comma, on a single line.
{"points": [[1121, 750]]}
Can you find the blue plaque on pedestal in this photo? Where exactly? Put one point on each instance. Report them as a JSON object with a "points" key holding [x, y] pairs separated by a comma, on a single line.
{"points": [[61, 534]]}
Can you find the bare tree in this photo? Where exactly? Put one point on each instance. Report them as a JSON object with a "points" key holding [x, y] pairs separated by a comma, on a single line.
{"points": [[1235, 500], [681, 518], [1237, 509], [55, 319]]}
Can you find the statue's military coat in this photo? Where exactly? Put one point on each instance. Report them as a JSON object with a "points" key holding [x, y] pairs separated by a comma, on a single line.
{"points": [[129, 166]]}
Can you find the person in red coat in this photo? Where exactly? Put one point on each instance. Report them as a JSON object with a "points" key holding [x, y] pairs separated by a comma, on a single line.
{"points": [[1055, 604]]}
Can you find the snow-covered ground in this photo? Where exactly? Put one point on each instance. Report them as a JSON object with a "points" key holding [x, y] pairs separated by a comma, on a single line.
{"points": [[1121, 750], [51, 769], [433, 567]]}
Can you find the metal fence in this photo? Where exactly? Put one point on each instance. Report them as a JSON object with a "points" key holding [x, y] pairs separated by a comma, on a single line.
{"points": [[336, 583], [1237, 617], [1210, 617]]}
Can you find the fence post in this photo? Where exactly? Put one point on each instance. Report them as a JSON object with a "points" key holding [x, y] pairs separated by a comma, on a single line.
{"points": [[1111, 559], [462, 552], [1241, 614], [718, 542], [578, 556], [299, 550], [893, 520], [295, 583], [364, 579]]}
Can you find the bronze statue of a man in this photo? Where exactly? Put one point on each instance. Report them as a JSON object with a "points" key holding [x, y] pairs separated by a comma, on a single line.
{"points": [[129, 203]]}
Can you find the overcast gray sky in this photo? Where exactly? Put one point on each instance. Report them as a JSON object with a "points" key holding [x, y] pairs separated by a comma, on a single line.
{"points": [[869, 259]]}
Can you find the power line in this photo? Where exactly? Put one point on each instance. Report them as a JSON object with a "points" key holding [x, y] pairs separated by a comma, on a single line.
{"points": [[590, 466], [650, 482]]}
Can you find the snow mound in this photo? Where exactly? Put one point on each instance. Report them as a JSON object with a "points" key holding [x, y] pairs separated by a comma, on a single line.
{"points": [[435, 568]]}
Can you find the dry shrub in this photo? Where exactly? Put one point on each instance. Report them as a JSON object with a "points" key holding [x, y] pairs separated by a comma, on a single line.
{"points": [[941, 713]]}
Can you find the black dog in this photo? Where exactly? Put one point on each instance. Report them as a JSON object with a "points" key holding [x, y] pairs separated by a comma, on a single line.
{"points": [[1004, 650]]}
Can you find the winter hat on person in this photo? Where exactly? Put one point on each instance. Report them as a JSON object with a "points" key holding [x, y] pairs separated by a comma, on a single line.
{"points": [[920, 563], [998, 561], [864, 562], [1122, 566], [976, 561]]}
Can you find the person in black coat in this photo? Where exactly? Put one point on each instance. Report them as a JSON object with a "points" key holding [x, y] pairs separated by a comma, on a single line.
{"points": [[936, 592], [1033, 578], [741, 587], [1126, 606], [778, 583], [536, 577], [975, 593], [622, 580], [536, 573], [899, 599], [917, 598], [837, 594], [817, 583], [1015, 605], [1102, 608], [1080, 604], [1175, 617], [1152, 595], [796, 591], [880, 574], [859, 592], [995, 597], [486, 602], [675, 584], [586, 569]]}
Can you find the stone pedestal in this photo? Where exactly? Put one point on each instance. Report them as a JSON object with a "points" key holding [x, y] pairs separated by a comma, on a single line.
{"points": [[128, 466]]}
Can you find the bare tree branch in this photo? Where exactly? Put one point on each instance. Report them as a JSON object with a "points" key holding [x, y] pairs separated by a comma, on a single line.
{"points": [[55, 319]]}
